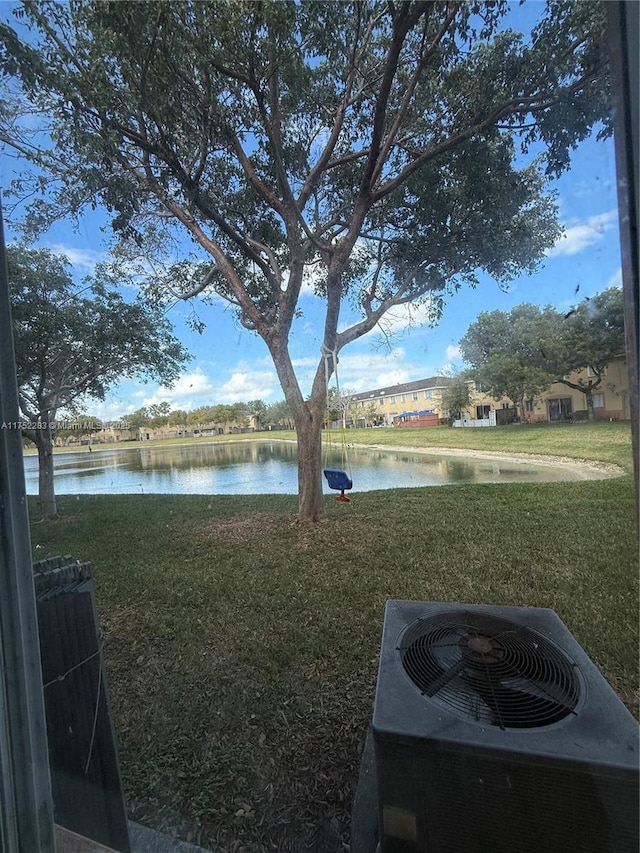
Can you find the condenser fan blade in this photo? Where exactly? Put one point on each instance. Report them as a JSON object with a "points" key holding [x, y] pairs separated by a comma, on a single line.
{"points": [[493, 670]]}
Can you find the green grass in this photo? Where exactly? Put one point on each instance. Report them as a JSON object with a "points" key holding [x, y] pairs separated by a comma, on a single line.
{"points": [[242, 647], [601, 441]]}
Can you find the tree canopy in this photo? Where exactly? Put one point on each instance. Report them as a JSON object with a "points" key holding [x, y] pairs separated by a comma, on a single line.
{"points": [[456, 399], [589, 336], [381, 148], [73, 342], [520, 353]]}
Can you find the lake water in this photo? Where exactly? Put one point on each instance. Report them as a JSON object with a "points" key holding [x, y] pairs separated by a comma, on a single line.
{"points": [[267, 467]]}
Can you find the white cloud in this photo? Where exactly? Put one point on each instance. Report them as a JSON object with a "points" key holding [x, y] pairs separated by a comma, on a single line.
{"points": [[357, 372], [83, 259], [245, 386], [452, 353], [365, 371], [308, 361], [402, 317], [189, 391], [583, 235], [312, 276], [198, 389]]}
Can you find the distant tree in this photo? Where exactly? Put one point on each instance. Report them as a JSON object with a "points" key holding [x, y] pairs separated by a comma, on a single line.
{"points": [[456, 399], [333, 406], [257, 408], [159, 414], [520, 353], [138, 419], [72, 344], [370, 415], [278, 415], [507, 376], [220, 414], [338, 405], [178, 417], [504, 349], [376, 145], [199, 417], [589, 336]]}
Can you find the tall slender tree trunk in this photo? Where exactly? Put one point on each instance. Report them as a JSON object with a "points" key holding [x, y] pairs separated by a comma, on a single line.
{"points": [[46, 494]]}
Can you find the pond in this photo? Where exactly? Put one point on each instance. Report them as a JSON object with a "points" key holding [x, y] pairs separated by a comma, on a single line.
{"points": [[270, 467]]}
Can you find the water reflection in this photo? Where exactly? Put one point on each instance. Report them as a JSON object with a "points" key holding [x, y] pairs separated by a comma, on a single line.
{"points": [[266, 467]]}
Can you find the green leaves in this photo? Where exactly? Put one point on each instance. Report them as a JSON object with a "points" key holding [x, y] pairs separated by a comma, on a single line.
{"points": [[375, 144], [520, 353], [73, 343]]}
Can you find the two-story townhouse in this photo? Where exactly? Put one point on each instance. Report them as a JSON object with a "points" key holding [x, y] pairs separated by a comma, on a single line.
{"points": [[404, 402], [610, 397], [561, 402], [380, 406]]}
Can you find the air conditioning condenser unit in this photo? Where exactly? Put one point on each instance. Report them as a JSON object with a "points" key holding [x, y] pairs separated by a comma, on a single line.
{"points": [[495, 733]]}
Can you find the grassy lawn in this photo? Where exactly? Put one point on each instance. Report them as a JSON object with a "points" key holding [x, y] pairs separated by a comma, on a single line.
{"points": [[242, 647], [604, 442]]}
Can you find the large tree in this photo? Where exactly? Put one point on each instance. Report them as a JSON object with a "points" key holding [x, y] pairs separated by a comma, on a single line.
{"points": [[72, 343], [588, 337], [504, 351], [456, 399], [520, 353], [379, 146]]}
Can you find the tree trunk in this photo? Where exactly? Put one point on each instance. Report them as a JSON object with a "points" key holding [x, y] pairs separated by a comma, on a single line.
{"points": [[46, 494], [591, 415], [523, 414], [308, 416], [311, 501]]}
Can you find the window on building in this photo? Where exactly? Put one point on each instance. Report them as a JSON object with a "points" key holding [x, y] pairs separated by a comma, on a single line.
{"points": [[414, 396], [428, 395], [598, 401], [528, 405], [403, 398], [392, 400], [381, 401], [560, 409], [593, 375]]}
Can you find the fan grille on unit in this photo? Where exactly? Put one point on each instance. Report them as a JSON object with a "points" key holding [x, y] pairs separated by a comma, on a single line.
{"points": [[490, 670]]}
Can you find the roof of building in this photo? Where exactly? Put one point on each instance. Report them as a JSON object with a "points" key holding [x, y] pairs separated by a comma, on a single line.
{"points": [[404, 387]]}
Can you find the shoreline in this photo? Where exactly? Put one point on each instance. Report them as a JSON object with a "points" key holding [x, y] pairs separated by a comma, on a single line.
{"points": [[586, 469], [601, 470]]}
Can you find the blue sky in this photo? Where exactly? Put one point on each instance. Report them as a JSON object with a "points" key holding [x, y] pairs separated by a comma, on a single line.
{"points": [[230, 364]]}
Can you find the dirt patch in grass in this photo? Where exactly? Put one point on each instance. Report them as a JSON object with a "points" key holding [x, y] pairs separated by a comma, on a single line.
{"points": [[334, 534], [237, 530]]}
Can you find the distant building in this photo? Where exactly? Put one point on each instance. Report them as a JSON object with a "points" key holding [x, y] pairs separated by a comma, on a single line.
{"points": [[419, 403], [561, 403], [400, 403]]}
